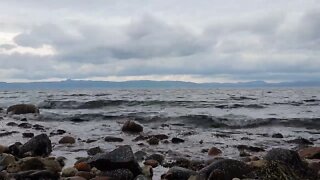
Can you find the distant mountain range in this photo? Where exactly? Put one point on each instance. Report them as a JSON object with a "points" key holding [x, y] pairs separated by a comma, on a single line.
{"points": [[145, 84]]}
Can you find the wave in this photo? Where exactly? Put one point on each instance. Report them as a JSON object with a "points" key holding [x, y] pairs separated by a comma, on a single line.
{"points": [[96, 104]]}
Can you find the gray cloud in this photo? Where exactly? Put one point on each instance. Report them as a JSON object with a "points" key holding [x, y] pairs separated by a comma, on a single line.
{"points": [[250, 43]]}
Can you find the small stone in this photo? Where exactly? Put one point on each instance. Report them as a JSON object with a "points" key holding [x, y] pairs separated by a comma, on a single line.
{"points": [[113, 139], [277, 135], [22, 109], [12, 124], [157, 157], [131, 126], [152, 163], [67, 140], [69, 172], [39, 145], [214, 151], [25, 125], [153, 141], [31, 163], [27, 135], [85, 174], [52, 164], [177, 140], [94, 151], [83, 166]]}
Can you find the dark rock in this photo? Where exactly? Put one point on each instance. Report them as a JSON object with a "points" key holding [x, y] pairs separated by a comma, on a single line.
{"points": [[113, 139], [301, 141], [141, 137], [161, 136], [12, 124], [119, 174], [85, 174], [78, 120], [310, 153], [153, 141], [24, 119], [119, 158], [250, 148], [14, 149], [38, 127], [277, 135], [25, 125], [140, 155], [23, 109], [157, 157], [226, 169], [67, 140], [57, 132], [93, 151], [180, 173], [27, 135], [214, 151], [61, 160], [39, 145], [131, 126], [82, 166], [8, 133], [177, 140], [285, 156], [141, 177], [91, 140]]}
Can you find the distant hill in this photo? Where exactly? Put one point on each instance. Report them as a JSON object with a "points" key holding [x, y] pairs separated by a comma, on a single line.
{"points": [[145, 84]]}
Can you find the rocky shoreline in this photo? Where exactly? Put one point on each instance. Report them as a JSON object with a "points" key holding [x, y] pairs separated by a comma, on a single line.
{"points": [[34, 159]]}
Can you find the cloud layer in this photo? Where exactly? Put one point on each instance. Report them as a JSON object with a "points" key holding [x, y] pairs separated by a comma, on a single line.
{"points": [[118, 40]]}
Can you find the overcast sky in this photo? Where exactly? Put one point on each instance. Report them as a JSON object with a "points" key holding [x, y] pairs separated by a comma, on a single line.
{"points": [[188, 40]]}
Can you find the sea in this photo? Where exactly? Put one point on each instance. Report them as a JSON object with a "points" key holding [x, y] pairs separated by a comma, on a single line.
{"points": [[224, 118]]}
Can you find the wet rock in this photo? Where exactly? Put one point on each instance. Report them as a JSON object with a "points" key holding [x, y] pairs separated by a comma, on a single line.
{"points": [[153, 141], [12, 124], [27, 135], [94, 151], [25, 125], [277, 135], [38, 127], [14, 149], [243, 153], [69, 172], [85, 174], [23, 109], [258, 164], [113, 139], [24, 119], [31, 163], [67, 140], [78, 120], [83, 166], [61, 160], [214, 151], [141, 177], [140, 155], [301, 141], [161, 136], [39, 145], [152, 163], [57, 132], [120, 158], [91, 140], [7, 133], [225, 169], [119, 174], [157, 157], [180, 173], [131, 126], [5, 160], [285, 156], [177, 140], [310, 153]]}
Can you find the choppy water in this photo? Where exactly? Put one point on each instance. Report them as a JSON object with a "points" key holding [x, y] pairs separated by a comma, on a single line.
{"points": [[207, 107]]}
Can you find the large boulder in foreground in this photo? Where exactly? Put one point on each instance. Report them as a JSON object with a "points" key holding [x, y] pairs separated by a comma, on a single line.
{"points": [[120, 158], [132, 127], [224, 169], [285, 156], [23, 109], [39, 145]]}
